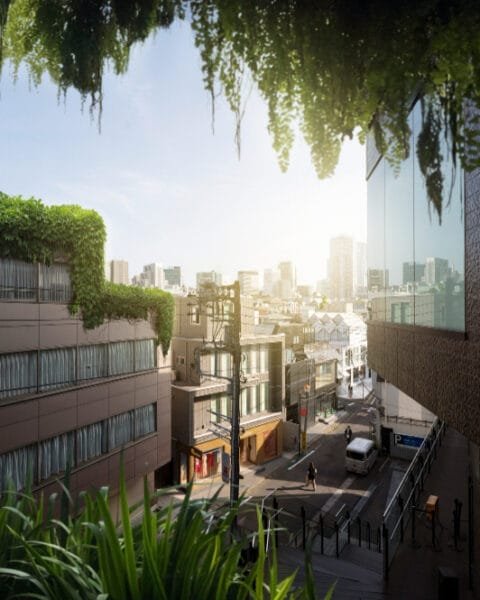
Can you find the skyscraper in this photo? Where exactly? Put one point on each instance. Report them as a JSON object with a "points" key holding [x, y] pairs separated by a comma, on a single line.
{"points": [[209, 277], [153, 274], [173, 275], [118, 271], [288, 280], [248, 281], [340, 268], [360, 268]]}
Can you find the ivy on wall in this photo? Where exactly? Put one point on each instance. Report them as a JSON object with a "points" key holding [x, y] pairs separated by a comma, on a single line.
{"points": [[32, 232]]}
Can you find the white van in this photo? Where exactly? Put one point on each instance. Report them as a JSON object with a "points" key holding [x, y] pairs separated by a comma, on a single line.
{"points": [[360, 455]]}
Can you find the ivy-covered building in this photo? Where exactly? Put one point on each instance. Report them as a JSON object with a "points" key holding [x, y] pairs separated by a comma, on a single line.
{"points": [[71, 397]]}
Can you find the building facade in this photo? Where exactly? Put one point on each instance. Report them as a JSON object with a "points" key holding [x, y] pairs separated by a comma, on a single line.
{"points": [[431, 354], [249, 282], [76, 397], [118, 272], [201, 394], [173, 276], [208, 277], [341, 268]]}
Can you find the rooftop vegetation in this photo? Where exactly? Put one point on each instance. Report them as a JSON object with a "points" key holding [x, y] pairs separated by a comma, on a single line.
{"points": [[337, 69], [33, 232]]}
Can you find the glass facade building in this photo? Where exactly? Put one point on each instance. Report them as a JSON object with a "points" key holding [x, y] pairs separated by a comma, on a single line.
{"points": [[416, 256]]}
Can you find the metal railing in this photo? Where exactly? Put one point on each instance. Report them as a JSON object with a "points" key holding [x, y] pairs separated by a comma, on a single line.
{"points": [[399, 510]]}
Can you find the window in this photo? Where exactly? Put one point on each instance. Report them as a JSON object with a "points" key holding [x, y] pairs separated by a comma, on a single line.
{"points": [[415, 259], [57, 368], [92, 362], [120, 430], [194, 315], [54, 283], [55, 454], [91, 441], [18, 373], [144, 355], [145, 420], [17, 467], [18, 279], [120, 356]]}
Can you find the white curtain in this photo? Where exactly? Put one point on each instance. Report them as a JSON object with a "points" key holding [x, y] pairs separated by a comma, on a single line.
{"points": [[18, 373], [17, 466], [92, 361], [263, 403], [91, 441], [253, 400], [54, 283], [18, 279], [120, 358], [120, 430], [145, 420], [57, 368], [144, 355], [244, 402], [263, 363], [55, 454]]}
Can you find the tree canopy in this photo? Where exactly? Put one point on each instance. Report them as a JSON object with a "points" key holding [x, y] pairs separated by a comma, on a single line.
{"points": [[340, 69]]}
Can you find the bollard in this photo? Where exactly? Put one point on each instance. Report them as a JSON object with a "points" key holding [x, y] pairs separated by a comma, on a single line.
{"points": [[304, 533], [400, 504], [385, 551], [368, 534], [359, 523], [337, 553], [348, 530], [321, 534], [275, 519]]}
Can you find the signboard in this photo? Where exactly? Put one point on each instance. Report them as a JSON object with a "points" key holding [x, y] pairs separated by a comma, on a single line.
{"points": [[226, 467], [407, 440]]}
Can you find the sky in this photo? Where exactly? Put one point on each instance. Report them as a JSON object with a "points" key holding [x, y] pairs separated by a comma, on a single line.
{"points": [[168, 189]]}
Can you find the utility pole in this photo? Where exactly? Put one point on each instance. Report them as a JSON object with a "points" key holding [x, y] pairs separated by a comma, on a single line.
{"points": [[237, 356], [221, 295]]}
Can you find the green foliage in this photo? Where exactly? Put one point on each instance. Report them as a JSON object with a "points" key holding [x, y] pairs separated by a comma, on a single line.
{"points": [[337, 68], [33, 232], [182, 551]]}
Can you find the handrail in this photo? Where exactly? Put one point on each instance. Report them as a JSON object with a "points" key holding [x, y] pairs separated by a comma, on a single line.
{"points": [[412, 466]]}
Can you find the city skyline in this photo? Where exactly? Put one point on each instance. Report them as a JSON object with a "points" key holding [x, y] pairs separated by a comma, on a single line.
{"points": [[168, 190]]}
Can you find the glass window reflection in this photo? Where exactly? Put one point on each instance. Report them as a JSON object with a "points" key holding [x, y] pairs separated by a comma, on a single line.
{"points": [[416, 260]]}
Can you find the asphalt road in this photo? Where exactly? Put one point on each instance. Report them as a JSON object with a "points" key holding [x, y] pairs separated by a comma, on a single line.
{"points": [[337, 490]]}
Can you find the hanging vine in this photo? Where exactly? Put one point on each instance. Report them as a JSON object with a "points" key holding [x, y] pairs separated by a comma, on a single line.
{"points": [[334, 68], [33, 232]]}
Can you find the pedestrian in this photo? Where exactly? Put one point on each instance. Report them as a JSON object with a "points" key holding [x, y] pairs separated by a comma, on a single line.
{"points": [[348, 434], [311, 474]]}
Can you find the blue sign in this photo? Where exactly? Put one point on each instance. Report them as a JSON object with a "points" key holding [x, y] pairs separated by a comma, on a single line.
{"points": [[408, 440]]}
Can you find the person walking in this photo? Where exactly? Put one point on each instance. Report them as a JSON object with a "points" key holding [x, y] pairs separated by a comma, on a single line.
{"points": [[311, 474], [348, 434]]}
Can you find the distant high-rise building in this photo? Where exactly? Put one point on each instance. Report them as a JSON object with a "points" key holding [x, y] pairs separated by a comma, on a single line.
{"points": [[118, 272], [360, 268], [340, 268], [173, 275], [154, 275], [412, 272], [150, 277], [436, 270], [377, 279], [209, 277], [248, 281], [270, 280], [288, 280]]}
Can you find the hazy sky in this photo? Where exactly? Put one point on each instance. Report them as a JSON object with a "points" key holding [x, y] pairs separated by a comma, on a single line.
{"points": [[168, 190]]}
